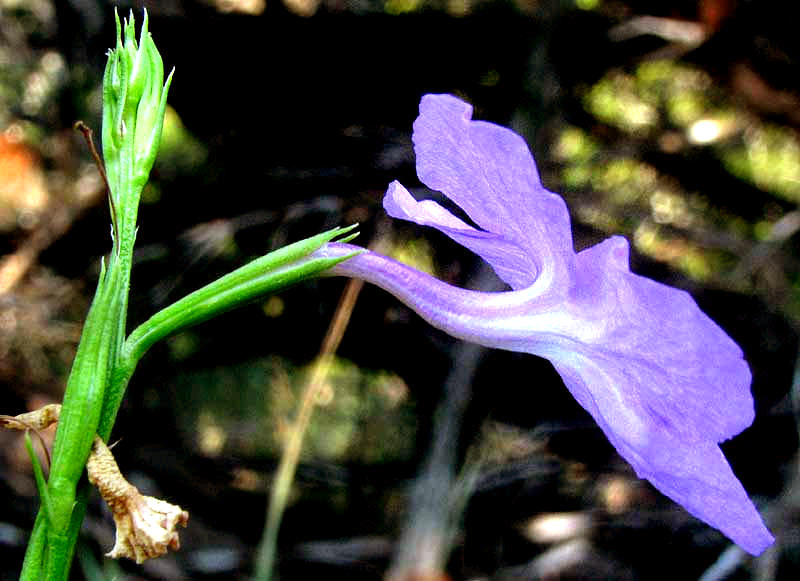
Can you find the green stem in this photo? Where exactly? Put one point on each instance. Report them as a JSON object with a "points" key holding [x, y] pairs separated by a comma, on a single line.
{"points": [[34, 555], [56, 530], [59, 521]]}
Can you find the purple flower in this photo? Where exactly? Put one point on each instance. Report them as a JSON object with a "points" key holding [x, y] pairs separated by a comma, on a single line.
{"points": [[660, 378]]}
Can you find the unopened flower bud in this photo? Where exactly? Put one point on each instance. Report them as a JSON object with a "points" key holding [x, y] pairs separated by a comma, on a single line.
{"points": [[134, 102]]}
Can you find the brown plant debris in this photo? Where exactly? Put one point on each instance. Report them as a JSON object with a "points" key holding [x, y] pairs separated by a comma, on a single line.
{"points": [[36, 420], [146, 526]]}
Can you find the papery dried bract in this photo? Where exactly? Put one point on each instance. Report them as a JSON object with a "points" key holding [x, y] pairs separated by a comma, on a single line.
{"points": [[39, 419], [146, 526]]}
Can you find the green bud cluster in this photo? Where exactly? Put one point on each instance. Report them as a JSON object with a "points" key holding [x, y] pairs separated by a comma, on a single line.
{"points": [[134, 101]]}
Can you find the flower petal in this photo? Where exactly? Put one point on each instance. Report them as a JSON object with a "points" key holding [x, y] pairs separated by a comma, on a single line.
{"points": [[489, 172], [691, 471], [506, 257], [664, 383], [656, 342]]}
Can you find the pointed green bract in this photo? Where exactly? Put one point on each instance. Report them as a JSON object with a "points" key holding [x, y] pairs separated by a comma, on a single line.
{"points": [[270, 273], [265, 275]]}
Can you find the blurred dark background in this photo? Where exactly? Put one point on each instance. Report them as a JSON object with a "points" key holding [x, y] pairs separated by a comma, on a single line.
{"points": [[674, 123]]}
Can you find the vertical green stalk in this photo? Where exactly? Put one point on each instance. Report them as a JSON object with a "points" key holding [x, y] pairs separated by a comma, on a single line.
{"points": [[134, 104], [134, 101]]}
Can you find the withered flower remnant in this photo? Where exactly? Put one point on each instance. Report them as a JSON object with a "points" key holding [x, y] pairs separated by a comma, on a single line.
{"points": [[146, 526]]}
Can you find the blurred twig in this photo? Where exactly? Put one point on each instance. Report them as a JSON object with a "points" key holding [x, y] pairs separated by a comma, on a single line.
{"points": [[437, 500], [684, 32], [265, 559], [14, 266]]}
